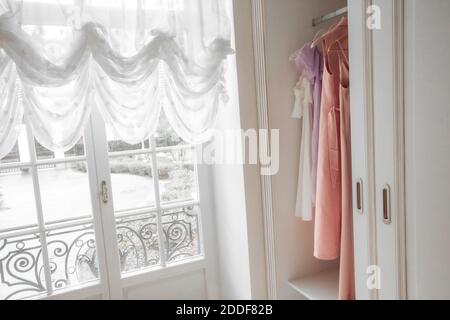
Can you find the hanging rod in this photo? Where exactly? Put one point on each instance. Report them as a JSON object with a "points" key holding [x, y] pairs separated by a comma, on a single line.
{"points": [[329, 16]]}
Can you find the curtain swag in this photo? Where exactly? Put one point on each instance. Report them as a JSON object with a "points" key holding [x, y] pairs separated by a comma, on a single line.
{"points": [[129, 59]]}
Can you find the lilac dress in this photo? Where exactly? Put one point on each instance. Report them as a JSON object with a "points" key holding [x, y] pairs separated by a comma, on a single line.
{"points": [[310, 62]]}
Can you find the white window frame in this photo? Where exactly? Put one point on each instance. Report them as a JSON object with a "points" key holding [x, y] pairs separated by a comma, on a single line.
{"points": [[111, 283]]}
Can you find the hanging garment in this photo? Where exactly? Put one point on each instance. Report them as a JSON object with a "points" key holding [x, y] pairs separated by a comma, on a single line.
{"points": [[327, 232], [346, 266], [309, 60], [303, 109]]}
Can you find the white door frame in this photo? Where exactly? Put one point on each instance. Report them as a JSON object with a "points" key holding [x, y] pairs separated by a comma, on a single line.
{"points": [[97, 145]]}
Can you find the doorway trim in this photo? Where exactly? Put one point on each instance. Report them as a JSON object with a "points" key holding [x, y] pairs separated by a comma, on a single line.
{"points": [[258, 28]]}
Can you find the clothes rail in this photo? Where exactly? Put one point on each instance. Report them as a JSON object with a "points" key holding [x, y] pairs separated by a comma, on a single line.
{"points": [[329, 16]]}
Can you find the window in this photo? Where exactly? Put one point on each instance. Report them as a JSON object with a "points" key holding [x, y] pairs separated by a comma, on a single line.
{"points": [[106, 213], [49, 205]]}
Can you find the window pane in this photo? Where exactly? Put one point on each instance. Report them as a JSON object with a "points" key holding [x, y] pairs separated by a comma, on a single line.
{"points": [[21, 268], [137, 237], [177, 176], [132, 182], [65, 191], [165, 136], [17, 204], [77, 150], [117, 145], [181, 232], [43, 153], [72, 256]]}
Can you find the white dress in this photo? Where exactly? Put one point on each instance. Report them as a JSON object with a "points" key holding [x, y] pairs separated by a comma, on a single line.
{"points": [[303, 109]]}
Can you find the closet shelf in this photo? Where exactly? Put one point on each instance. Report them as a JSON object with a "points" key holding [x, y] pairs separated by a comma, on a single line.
{"points": [[319, 286]]}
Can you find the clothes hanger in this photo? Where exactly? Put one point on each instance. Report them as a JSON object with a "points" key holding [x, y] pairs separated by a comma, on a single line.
{"points": [[333, 29], [316, 37], [294, 55], [335, 42]]}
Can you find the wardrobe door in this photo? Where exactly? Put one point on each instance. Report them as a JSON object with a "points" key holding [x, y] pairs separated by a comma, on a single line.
{"points": [[362, 147], [388, 142]]}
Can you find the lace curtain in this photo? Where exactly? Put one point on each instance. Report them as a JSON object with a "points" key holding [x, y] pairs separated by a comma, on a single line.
{"points": [[131, 59]]}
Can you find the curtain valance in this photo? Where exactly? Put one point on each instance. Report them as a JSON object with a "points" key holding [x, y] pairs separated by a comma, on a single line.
{"points": [[130, 59]]}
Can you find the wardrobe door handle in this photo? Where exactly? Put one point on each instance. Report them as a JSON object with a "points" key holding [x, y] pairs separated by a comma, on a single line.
{"points": [[387, 204], [359, 195]]}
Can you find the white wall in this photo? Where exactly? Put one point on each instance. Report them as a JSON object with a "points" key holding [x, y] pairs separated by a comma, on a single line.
{"points": [[288, 27], [189, 286], [237, 188], [231, 222], [428, 148]]}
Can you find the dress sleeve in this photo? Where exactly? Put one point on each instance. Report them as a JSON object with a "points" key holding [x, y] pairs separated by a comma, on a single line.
{"points": [[303, 97]]}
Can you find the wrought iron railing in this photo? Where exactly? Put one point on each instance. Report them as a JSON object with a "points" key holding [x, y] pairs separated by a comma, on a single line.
{"points": [[73, 255]]}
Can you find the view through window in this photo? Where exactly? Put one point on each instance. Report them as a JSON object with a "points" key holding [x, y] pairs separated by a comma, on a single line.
{"points": [[47, 215]]}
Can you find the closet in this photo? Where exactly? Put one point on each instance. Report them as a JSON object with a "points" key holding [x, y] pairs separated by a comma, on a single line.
{"points": [[400, 124], [286, 27]]}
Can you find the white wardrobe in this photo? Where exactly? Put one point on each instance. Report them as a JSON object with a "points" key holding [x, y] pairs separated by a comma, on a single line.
{"points": [[400, 106], [400, 115]]}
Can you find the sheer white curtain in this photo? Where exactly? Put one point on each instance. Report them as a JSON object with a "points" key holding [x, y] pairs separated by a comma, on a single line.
{"points": [[131, 59]]}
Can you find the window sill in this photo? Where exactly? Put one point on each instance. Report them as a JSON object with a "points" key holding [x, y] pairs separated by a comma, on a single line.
{"points": [[158, 273]]}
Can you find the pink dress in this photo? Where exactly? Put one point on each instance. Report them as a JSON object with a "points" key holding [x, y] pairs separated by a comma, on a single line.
{"points": [[333, 229], [346, 267], [327, 232]]}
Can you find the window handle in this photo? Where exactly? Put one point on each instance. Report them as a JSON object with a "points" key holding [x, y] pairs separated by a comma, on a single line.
{"points": [[387, 205], [104, 192]]}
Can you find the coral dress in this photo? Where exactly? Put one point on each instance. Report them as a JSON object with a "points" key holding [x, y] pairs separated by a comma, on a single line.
{"points": [[346, 272], [333, 235], [327, 233]]}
